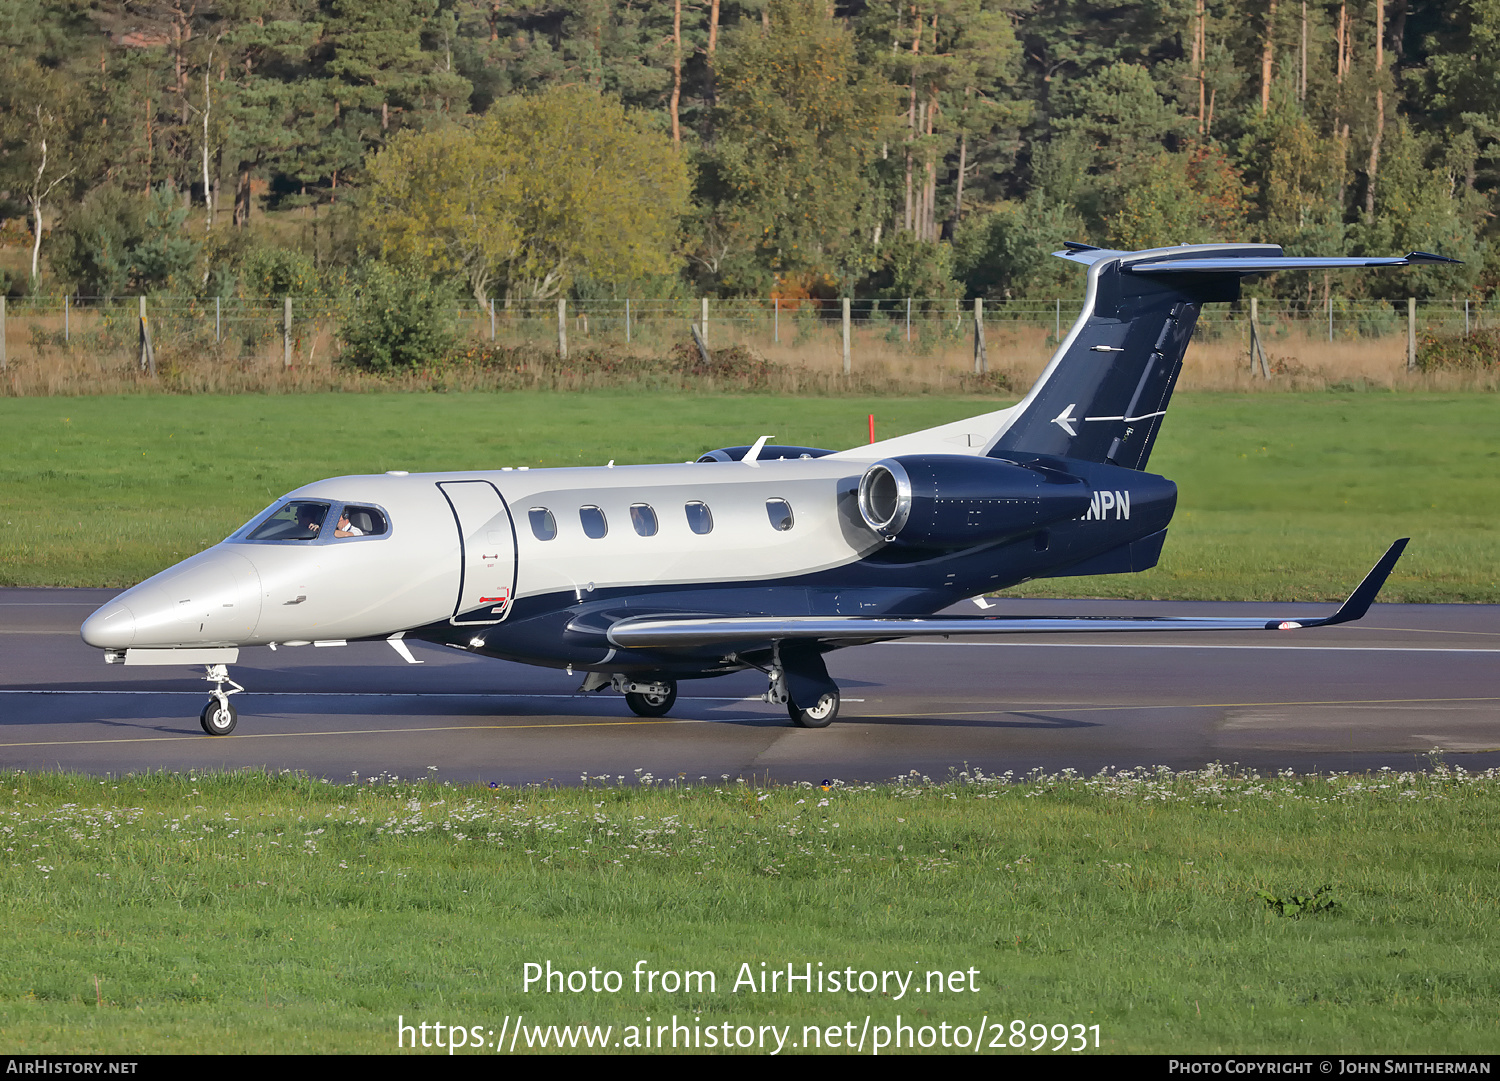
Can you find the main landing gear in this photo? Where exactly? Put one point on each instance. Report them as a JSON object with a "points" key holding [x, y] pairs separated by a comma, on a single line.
{"points": [[646, 698], [796, 676], [801, 676], [656, 702], [819, 716], [219, 716]]}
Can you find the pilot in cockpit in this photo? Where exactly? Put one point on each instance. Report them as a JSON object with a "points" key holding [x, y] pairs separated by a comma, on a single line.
{"points": [[345, 528], [310, 518]]}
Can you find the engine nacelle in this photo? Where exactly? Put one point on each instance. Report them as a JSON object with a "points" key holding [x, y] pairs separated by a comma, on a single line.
{"points": [[957, 501]]}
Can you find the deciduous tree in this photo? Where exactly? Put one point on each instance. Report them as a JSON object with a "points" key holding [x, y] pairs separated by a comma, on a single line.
{"points": [[544, 188]]}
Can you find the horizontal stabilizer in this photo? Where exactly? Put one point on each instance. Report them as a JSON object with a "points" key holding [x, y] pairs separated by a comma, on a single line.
{"points": [[749, 632], [1247, 259], [1286, 262]]}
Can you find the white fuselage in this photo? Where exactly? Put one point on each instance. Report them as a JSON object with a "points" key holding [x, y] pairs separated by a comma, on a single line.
{"points": [[461, 547]]}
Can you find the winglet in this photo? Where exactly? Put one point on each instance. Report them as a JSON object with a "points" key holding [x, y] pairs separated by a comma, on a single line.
{"points": [[753, 454], [1359, 601]]}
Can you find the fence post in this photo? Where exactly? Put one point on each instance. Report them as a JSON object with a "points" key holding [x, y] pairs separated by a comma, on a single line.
{"points": [[1252, 337], [776, 320], [1257, 351], [627, 320], [847, 367], [1057, 322], [562, 328], [218, 311], [908, 320], [286, 332], [981, 358], [67, 311], [1411, 334], [1330, 318], [148, 352], [703, 323], [1466, 317], [3, 365], [492, 318]]}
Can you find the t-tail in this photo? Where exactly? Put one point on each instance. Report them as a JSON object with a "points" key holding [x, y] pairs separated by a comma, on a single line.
{"points": [[1104, 393], [1106, 390]]}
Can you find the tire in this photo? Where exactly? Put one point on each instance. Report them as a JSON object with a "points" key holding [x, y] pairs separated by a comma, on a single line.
{"points": [[653, 705], [218, 720], [819, 716]]}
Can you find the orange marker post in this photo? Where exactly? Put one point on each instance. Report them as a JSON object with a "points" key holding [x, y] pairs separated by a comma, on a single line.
{"points": [[872, 427]]}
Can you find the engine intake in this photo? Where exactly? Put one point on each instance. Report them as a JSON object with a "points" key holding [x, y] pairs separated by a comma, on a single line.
{"points": [[958, 501]]}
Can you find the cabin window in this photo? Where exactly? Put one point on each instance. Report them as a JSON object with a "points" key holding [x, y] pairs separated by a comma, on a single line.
{"points": [[593, 521], [643, 518], [780, 513], [700, 518], [543, 525], [360, 522], [299, 520]]}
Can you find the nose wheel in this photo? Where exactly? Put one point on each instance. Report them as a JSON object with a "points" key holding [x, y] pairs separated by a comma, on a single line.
{"points": [[219, 716]]}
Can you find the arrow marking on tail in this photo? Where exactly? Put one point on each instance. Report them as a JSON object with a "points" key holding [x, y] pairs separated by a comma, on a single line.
{"points": [[1064, 420]]}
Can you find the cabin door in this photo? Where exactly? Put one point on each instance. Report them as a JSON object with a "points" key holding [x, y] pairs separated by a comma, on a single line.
{"points": [[487, 551]]}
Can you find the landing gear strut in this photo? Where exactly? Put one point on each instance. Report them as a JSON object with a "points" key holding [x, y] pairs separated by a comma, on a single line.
{"points": [[219, 716]]}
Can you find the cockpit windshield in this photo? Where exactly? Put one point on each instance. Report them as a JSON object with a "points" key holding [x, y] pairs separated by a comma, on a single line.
{"points": [[299, 520]]}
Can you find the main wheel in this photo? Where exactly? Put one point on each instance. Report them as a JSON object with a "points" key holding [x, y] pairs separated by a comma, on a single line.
{"points": [[653, 705], [819, 716], [218, 720]]}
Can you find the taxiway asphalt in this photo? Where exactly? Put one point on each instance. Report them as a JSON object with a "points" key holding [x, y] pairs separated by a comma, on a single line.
{"points": [[1383, 692]]}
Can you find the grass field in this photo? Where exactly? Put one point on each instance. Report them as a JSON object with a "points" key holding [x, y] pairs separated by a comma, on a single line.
{"points": [[1283, 496], [246, 913]]}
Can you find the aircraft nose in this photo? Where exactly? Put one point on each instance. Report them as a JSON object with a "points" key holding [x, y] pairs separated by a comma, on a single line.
{"points": [[210, 599], [111, 627]]}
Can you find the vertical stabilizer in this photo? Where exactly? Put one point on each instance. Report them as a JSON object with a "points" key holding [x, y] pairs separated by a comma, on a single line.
{"points": [[1103, 396]]}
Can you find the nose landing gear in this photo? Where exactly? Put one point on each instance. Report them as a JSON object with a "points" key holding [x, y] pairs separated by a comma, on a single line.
{"points": [[219, 716]]}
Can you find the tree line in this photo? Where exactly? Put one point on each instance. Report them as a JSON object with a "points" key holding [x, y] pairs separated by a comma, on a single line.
{"points": [[938, 148]]}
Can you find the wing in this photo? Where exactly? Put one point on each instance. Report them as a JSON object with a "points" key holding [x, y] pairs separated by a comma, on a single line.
{"points": [[697, 632]]}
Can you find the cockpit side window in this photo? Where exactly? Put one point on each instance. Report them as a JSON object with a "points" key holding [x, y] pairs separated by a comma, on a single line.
{"points": [[355, 521], [299, 520]]}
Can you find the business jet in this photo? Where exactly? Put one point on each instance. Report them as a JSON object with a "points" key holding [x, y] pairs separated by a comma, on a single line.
{"points": [[753, 557]]}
